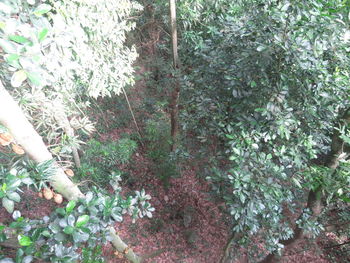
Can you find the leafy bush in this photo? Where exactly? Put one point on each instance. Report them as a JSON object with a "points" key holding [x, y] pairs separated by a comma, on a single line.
{"points": [[82, 224], [100, 158], [271, 81], [158, 140]]}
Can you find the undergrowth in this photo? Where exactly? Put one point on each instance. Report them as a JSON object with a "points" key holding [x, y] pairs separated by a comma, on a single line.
{"points": [[101, 158]]}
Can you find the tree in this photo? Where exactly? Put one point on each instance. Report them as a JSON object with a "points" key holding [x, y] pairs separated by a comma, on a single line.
{"points": [[176, 92], [52, 53], [267, 80], [57, 54]]}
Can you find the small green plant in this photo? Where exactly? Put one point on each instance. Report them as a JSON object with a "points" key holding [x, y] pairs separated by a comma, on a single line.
{"points": [[159, 141], [100, 158], [92, 255]]}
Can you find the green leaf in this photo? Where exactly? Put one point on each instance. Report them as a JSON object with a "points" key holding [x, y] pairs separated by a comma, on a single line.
{"points": [[71, 220], [8, 204], [42, 9], [19, 255], [34, 78], [61, 211], [229, 136], [80, 236], [27, 259], [70, 206], [297, 183], [46, 233], [11, 57], [260, 109], [82, 220], [24, 241], [19, 39], [42, 34], [14, 196], [60, 237], [68, 230], [17, 78]]}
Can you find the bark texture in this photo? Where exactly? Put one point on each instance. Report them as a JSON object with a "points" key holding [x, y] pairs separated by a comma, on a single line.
{"points": [[174, 118]]}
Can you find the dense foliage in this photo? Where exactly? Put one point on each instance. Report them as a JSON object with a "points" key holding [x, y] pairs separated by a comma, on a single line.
{"points": [[271, 81], [265, 82], [56, 54]]}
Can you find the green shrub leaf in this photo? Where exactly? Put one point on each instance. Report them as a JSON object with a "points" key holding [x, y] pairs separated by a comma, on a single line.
{"points": [[82, 220]]}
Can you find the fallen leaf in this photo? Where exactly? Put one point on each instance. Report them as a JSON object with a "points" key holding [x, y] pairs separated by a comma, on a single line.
{"points": [[17, 149]]}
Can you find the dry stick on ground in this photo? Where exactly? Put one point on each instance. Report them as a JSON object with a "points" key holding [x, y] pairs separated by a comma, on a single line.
{"points": [[176, 92], [314, 202], [133, 116], [12, 117]]}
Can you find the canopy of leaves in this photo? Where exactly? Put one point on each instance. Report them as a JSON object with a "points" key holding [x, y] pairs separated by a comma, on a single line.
{"points": [[271, 81]]}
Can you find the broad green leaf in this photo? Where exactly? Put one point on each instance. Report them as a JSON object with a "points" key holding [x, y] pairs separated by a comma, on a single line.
{"points": [[24, 241], [42, 34], [14, 196], [45, 233], [60, 237], [17, 78], [60, 211], [11, 57], [19, 255], [63, 222], [27, 259], [71, 220], [8, 204], [70, 206], [34, 78], [42, 9], [80, 236], [68, 230], [13, 182], [19, 39], [82, 220]]}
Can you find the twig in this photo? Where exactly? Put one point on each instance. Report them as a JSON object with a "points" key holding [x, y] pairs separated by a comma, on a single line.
{"points": [[133, 116], [338, 245]]}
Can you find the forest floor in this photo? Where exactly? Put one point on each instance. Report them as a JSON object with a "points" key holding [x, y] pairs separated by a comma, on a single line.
{"points": [[188, 226]]}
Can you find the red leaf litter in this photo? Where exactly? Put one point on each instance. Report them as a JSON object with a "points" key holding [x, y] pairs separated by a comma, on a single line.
{"points": [[186, 226]]}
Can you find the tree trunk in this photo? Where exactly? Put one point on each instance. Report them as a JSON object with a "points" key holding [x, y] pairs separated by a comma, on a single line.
{"points": [[176, 92], [314, 202], [12, 117]]}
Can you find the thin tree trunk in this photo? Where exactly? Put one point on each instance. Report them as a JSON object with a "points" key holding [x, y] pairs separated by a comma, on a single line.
{"points": [[12, 117], [176, 92], [314, 202]]}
